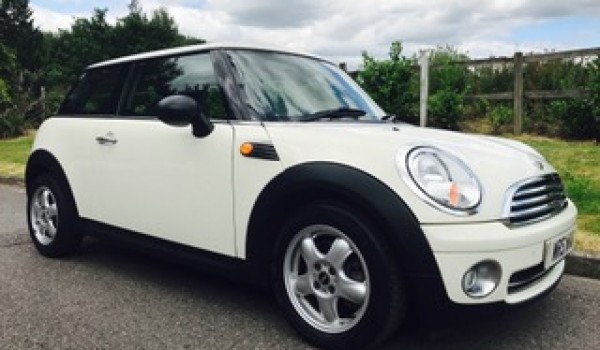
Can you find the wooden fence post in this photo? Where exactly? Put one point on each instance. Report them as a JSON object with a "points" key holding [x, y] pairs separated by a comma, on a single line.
{"points": [[424, 63], [518, 93]]}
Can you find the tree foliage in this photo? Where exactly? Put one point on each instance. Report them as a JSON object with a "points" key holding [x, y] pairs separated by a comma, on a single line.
{"points": [[579, 118], [30, 59], [93, 39], [449, 83], [7, 67], [392, 83], [18, 33]]}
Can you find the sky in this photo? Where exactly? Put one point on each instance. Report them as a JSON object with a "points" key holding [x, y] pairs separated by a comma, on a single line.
{"points": [[341, 30]]}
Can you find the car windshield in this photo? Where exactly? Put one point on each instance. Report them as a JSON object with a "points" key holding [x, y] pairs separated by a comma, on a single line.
{"points": [[285, 87]]}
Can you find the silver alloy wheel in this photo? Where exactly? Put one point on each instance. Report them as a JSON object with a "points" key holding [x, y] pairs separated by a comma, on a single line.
{"points": [[43, 215], [326, 278]]}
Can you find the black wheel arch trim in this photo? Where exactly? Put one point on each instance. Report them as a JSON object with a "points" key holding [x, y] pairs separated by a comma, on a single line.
{"points": [[342, 182], [42, 161]]}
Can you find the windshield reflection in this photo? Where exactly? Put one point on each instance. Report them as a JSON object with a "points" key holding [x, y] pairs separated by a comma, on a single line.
{"points": [[285, 87]]}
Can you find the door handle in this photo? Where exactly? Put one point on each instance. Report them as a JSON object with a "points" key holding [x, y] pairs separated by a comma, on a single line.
{"points": [[108, 139]]}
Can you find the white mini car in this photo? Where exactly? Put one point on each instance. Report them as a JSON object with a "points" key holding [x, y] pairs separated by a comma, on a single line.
{"points": [[277, 166]]}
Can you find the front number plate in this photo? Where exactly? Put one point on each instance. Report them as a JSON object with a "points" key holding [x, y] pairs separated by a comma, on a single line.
{"points": [[557, 248]]}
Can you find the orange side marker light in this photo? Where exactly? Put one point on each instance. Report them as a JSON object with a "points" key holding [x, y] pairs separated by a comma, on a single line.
{"points": [[246, 148]]}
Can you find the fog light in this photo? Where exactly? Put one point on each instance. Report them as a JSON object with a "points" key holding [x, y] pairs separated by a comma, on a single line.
{"points": [[481, 279]]}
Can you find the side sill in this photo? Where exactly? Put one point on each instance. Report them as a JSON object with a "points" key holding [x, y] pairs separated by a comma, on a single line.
{"points": [[195, 258]]}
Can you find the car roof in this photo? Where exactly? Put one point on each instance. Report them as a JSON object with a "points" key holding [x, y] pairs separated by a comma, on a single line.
{"points": [[196, 48]]}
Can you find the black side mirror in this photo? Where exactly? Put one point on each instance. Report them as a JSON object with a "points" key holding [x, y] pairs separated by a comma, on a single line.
{"points": [[181, 110]]}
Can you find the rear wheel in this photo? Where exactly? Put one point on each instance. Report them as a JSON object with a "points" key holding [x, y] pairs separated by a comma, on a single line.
{"points": [[51, 218], [336, 281]]}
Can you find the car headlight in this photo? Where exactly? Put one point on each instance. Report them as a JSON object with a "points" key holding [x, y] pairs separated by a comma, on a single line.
{"points": [[442, 180]]}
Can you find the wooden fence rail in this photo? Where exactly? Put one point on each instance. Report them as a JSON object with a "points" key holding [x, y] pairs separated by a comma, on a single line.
{"points": [[518, 95]]}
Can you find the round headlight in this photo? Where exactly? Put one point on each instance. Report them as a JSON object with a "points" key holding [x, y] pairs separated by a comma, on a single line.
{"points": [[443, 179]]}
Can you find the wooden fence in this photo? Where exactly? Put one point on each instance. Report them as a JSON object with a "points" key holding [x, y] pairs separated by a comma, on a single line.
{"points": [[518, 95]]}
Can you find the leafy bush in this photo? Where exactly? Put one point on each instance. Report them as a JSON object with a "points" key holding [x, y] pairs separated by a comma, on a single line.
{"points": [[500, 115], [449, 83], [7, 68], [577, 118], [4, 96], [12, 123], [445, 109], [54, 98], [392, 83]]}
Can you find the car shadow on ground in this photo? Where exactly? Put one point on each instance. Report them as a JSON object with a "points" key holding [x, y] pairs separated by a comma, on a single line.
{"points": [[515, 329]]}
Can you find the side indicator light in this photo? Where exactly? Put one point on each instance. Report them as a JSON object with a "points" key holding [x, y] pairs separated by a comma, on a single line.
{"points": [[246, 149]]}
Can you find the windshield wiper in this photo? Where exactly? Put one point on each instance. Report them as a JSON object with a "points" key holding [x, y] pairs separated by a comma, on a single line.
{"points": [[337, 113], [392, 118]]}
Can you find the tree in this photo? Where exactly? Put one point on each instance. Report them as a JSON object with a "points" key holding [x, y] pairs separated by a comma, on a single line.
{"points": [[136, 33], [19, 58], [30, 59], [93, 39], [7, 67], [18, 33]]}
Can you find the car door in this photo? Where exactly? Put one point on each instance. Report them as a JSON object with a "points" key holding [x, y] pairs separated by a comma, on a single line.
{"points": [[160, 180]]}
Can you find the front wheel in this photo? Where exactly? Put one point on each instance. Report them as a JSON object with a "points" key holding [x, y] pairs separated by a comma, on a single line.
{"points": [[336, 281], [50, 217]]}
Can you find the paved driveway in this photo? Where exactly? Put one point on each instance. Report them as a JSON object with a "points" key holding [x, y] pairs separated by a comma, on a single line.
{"points": [[107, 297]]}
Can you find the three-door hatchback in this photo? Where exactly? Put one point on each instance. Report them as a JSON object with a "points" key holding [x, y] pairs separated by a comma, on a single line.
{"points": [[277, 166]]}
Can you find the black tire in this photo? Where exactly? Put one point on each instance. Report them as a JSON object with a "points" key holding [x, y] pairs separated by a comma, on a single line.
{"points": [[64, 239], [380, 313]]}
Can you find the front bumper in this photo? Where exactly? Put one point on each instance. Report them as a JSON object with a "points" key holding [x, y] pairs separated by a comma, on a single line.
{"points": [[520, 251]]}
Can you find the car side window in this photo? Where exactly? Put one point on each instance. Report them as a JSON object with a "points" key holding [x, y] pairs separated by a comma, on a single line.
{"points": [[97, 92], [191, 75]]}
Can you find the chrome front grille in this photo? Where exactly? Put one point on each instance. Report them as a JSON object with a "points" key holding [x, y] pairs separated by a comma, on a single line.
{"points": [[535, 199]]}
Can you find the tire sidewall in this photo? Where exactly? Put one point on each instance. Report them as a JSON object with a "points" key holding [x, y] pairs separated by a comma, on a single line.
{"points": [[385, 305], [66, 240]]}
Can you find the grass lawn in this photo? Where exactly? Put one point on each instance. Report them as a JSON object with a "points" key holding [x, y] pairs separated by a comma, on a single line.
{"points": [[578, 163], [13, 155]]}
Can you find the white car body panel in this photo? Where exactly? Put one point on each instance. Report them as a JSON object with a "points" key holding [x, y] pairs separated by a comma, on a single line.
{"points": [[251, 175], [157, 179], [459, 247], [372, 148]]}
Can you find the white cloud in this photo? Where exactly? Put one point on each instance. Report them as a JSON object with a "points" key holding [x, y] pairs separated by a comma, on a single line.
{"points": [[49, 20], [341, 29]]}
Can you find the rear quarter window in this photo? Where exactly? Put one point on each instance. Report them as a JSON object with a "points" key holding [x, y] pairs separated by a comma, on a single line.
{"points": [[97, 92]]}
